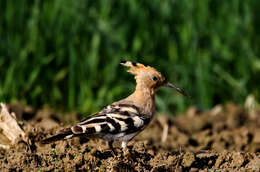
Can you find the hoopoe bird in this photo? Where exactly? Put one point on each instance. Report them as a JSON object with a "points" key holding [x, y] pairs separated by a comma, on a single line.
{"points": [[122, 120]]}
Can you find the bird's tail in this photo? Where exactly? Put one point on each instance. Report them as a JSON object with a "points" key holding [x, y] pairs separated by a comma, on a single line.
{"points": [[63, 134]]}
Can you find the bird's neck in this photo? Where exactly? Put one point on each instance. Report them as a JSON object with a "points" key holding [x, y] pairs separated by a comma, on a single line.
{"points": [[143, 97]]}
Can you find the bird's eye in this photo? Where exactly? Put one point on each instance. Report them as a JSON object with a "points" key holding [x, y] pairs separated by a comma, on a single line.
{"points": [[155, 78]]}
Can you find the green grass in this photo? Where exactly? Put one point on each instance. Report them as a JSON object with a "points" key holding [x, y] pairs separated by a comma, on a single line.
{"points": [[66, 53]]}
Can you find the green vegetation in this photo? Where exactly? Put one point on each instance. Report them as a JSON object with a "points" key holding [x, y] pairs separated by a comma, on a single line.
{"points": [[66, 53]]}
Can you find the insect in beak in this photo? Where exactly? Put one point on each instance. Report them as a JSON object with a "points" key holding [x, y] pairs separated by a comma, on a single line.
{"points": [[168, 84]]}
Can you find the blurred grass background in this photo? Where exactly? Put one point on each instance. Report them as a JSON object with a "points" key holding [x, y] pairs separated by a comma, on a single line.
{"points": [[66, 53]]}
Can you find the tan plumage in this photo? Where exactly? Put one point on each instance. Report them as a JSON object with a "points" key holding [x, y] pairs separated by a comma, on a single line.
{"points": [[124, 119]]}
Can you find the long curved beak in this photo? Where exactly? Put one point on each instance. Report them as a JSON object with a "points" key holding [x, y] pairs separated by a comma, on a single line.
{"points": [[167, 84]]}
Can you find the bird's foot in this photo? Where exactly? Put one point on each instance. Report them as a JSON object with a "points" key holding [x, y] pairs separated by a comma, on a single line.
{"points": [[114, 153], [127, 154]]}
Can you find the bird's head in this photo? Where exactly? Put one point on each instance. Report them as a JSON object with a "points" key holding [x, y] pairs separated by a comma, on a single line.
{"points": [[148, 77]]}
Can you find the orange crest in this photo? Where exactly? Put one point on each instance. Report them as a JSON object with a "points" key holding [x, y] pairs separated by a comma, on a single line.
{"points": [[146, 75]]}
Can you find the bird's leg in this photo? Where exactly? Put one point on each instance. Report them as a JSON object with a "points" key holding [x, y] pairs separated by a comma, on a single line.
{"points": [[125, 149], [180, 149], [110, 143], [127, 153]]}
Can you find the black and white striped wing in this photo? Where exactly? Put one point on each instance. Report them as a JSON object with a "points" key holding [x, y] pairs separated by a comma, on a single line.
{"points": [[113, 120]]}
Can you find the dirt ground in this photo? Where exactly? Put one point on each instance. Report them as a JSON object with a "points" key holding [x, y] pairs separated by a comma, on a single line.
{"points": [[226, 138]]}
